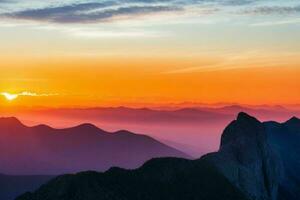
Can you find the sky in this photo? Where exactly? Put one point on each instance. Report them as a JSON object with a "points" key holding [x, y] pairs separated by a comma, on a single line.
{"points": [[140, 52]]}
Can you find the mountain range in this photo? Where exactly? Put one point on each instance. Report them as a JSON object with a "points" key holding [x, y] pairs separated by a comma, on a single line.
{"points": [[44, 150], [195, 130], [256, 161]]}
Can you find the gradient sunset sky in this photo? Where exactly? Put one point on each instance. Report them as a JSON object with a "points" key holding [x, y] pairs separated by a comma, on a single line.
{"points": [[95, 53]]}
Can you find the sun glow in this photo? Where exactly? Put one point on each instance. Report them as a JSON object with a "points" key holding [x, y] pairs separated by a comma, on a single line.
{"points": [[9, 96]]}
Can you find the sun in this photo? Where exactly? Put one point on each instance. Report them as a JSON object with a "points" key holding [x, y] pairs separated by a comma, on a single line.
{"points": [[9, 97]]}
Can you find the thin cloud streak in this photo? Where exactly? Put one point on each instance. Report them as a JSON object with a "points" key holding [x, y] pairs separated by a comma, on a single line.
{"points": [[27, 93], [254, 59], [33, 94], [88, 13], [278, 10], [113, 10], [280, 22]]}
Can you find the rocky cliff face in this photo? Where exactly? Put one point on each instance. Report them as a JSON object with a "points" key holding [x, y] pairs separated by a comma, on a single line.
{"points": [[285, 139], [247, 159]]}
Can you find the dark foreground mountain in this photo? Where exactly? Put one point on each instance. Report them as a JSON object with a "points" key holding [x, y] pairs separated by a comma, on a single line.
{"points": [[256, 161], [167, 178], [13, 186], [44, 150], [261, 159], [285, 139]]}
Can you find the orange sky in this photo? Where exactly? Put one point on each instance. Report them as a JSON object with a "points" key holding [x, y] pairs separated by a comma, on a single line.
{"points": [[127, 81]]}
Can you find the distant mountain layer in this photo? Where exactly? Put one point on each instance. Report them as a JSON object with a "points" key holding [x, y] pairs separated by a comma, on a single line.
{"points": [[152, 116], [195, 130], [13, 186], [44, 150], [256, 161]]}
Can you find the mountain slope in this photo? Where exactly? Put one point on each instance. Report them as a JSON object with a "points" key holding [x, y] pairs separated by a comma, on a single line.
{"points": [[166, 178], [285, 139], [247, 159], [13, 186], [44, 150], [262, 159]]}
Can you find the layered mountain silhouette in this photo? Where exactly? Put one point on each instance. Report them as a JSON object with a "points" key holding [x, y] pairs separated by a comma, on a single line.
{"points": [[13, 186], [256, 161], [186, 115], [195, 130], [44, 150]]}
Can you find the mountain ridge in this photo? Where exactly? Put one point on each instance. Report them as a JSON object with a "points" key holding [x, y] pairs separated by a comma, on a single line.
{"points": [[154, 180], [44, 150]]}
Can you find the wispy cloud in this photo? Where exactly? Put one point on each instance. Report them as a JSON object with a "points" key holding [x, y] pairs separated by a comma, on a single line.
{"points": [[268, 10], [86, 33], [28, 93], [277, 22], [33, 94], [100, 11], [90, 12], [74, 11], [257, 59]]}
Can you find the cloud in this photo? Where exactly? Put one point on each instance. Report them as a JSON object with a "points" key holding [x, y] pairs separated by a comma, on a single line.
{"points": [[246, 60], [278, 22], [90, 12], [100, 11], [74, 11], [26, 93], [33, 94], [4, 1], [269, 10], [88, 33]]}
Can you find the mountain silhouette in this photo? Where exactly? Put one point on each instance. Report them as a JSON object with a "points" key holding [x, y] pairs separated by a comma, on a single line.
{"points": [[165, 178], [247, 159], [195, 130], [261, 158], [45, 150], [256, 161], [284, 139], [13, 186]]}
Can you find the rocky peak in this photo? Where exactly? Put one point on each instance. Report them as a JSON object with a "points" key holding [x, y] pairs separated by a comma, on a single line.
{"points": [[247, 160], [244, 117], [293, 123], [294, 119], [244, 126]]}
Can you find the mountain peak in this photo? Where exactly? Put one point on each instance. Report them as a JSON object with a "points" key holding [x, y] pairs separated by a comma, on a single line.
{"points": [[248, 160], [243, 117], [88, 126], [244, 126], [293, 120], [293, 123], [10, 121]]}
